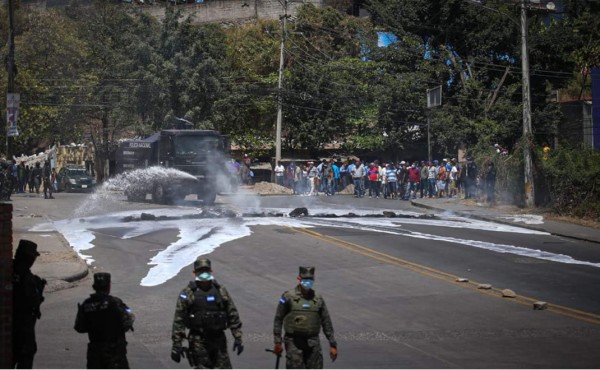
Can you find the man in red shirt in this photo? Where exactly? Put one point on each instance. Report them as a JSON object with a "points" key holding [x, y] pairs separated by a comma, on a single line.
{"points": [[414, 178], [373, 175]]}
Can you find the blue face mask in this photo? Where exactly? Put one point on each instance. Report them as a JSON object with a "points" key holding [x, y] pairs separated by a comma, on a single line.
{"points": [[205, 276], [307, 283]]}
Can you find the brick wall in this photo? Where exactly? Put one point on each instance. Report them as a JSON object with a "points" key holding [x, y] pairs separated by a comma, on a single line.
{"points": [[5, 285]]}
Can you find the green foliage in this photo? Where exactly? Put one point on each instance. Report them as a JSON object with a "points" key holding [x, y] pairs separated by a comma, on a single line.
{"points": [[105, 72], [572, 181]]}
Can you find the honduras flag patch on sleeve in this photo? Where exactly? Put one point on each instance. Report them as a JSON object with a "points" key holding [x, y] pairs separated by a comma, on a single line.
{"points": [[282, 300]]}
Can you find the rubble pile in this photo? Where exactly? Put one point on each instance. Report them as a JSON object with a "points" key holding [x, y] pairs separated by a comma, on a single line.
{"points": [[270, 188]]}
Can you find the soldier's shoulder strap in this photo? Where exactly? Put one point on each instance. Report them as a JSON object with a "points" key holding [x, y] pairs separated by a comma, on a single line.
{"points": [[318, 298], [290, 294], [221, 291], [116, 300]]}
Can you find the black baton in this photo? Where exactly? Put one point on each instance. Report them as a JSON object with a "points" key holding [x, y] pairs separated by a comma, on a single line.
{"points": [[278, 357]]}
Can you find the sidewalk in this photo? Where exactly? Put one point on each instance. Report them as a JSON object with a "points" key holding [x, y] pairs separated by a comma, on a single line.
{"points": [[510, 215], [58, 263]]}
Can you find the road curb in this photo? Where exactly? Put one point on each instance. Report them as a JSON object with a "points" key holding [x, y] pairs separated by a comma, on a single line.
{"points": [[83, 267], [500, 221]]}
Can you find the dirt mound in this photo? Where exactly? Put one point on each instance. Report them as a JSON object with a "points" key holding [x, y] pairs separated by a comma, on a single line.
{"points": [[347, 190], [270, 188]]}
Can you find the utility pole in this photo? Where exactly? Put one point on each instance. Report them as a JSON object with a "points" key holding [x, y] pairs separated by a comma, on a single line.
{"points": [[11, 69], [434, 99], [284, 3], [429, 135], [526, 140]]}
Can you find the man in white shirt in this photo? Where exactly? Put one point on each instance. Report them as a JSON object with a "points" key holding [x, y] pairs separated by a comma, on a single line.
{"points": [[358, 175], [279, 170]]}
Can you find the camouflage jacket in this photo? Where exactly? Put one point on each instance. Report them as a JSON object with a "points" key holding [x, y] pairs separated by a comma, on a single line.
{"points": [[284, 306], [185, 301]]}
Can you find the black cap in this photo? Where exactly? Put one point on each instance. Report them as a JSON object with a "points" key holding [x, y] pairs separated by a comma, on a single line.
{"points": [[101, 280], [307, 272], [27, 248]]}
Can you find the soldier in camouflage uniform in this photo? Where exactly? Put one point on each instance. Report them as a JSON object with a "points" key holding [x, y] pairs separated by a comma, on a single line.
{"points": [[27, 298], [302, 312], [206, 309], [106, 319]]}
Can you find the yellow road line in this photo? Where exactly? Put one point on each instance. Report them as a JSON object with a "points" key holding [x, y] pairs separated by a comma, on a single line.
{"points": [[444, 276]]}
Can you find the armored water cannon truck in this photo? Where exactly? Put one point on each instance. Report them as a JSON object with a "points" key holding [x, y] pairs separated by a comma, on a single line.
{"points": [[172, 164]]}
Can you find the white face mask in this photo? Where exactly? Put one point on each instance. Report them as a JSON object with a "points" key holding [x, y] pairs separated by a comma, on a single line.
{"points": [[307, 283], [413, 166], [204, 276]]}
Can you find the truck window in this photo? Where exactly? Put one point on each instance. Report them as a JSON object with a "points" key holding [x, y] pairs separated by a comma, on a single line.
{"points": [[194, 145]]}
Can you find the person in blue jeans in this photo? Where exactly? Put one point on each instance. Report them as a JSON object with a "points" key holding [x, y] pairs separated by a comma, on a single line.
{"points": [[358, 175], [414, 178], [336, 177]]}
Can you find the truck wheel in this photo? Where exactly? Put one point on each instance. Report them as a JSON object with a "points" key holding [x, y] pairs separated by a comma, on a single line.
{"points": [[159, 195], [208, 198]]}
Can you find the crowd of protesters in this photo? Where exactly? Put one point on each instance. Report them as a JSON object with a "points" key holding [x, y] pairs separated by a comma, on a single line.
{"points": [[401, 180], [21, 178]]}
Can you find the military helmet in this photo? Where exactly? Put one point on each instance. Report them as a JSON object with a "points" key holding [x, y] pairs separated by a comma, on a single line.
{"points": [[307, 272], [101, 280], [26, 248], [201, 262]]}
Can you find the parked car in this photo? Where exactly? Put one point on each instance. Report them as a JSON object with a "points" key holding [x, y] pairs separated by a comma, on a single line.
{"points": [[73, 178]]}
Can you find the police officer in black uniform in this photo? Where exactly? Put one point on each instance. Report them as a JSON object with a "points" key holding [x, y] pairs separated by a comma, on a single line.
{"points": [[106, 319], [27, 297], [47, 176]]}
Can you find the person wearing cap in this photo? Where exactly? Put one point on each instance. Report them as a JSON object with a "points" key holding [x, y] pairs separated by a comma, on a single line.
{"points": [[414, 178], [302, 312], [402, 178], [105, 319], [205, 308], [28, 296]]}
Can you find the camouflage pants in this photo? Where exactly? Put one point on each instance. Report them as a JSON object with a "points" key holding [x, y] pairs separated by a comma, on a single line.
{"points": [[209, 351], [303, 352], [107, 356]]}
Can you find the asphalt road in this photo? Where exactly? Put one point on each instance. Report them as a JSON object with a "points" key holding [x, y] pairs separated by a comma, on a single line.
{"points": [[390, 286]]}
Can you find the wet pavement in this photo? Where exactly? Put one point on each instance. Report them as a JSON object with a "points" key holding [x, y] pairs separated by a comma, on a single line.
{"points": [[59, 263]]}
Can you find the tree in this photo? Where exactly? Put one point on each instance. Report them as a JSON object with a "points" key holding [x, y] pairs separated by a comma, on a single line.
{"points": [[49, 56]]}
